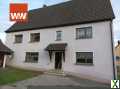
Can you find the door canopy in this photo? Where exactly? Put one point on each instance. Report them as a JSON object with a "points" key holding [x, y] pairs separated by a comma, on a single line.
{"points": [[56, 47]]}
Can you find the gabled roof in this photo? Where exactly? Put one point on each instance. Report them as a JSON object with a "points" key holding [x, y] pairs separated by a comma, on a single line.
{"points": [[67, 13], [4, 49]]}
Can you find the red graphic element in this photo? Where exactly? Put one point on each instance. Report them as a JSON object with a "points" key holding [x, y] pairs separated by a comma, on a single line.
{"points": [[19, 12]]}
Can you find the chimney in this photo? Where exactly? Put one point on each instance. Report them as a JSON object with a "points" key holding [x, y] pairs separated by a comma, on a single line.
{"points": [[44, 5]]}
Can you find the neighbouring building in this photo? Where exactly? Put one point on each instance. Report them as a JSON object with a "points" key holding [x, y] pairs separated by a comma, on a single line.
{"points": [[74, 36], [4, 51], [117, 53]]}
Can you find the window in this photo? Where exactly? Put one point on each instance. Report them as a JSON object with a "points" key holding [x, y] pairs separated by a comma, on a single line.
{"points": [[117, 58], [32, 57], [58, 35], [84, 57], [18, 38], [84, 33], [34, 37]]}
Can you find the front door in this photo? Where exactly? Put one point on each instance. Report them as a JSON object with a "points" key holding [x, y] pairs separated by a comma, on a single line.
{"points": [[58, 60]]}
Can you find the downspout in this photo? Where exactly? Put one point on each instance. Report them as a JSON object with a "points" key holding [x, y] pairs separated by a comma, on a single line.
{"points": [[113, 56]]}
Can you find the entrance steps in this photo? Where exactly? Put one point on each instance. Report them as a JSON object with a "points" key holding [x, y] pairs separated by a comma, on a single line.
{"points": [[55, 72]]}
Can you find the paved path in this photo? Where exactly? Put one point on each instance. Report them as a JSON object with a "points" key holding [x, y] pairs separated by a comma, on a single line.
{"points": [[54, 82]]}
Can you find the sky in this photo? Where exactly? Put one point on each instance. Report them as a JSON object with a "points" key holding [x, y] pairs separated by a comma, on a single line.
{"points": [[33, 4]]}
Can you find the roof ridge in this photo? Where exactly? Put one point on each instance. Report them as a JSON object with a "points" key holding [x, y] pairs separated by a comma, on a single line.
{"points": [[51, 5]]}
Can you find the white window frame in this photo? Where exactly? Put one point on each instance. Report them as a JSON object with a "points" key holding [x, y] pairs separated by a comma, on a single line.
{"points": [[84, 33], [29, 58], [32, 37], [86, 56], [18, 38], [58, 35]]}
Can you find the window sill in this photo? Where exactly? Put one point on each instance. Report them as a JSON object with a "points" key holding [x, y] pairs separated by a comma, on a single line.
{"points": [[85, 64], [58, 40], [17, 42], [34, 41], [31, 62], [82, 38]]}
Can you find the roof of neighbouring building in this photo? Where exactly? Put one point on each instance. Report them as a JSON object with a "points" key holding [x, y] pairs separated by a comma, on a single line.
{"points": [[64, 14], [117, 50], [4, 49]]}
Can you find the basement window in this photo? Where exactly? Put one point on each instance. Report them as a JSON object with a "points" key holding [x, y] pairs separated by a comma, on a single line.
{"points": [[32, 57]]}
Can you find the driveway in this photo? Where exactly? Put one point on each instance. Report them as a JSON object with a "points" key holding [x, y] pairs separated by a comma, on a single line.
{"points": [[55, 82]]}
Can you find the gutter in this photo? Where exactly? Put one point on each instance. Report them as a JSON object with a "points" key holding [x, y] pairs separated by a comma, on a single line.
{"points": [[11, 30], [113, 56]]}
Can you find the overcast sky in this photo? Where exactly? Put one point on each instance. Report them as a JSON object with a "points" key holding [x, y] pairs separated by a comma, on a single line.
{"points": [[33, 4]]}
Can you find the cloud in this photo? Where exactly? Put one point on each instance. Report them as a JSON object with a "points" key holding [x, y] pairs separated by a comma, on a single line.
{"points": [[2, 36], [116, 22], [31, 3], [51, 2], [5, 25]]}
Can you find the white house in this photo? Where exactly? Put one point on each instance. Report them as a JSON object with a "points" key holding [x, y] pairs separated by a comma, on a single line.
{"points": [[74, 36]]}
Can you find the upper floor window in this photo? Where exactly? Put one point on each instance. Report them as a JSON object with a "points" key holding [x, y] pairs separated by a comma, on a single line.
{"points": [[84, 33], [58, 35], [18, 38], [32, 57], [34, 37], [84, 57]]}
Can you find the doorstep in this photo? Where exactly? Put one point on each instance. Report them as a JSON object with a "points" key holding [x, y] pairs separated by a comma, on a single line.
{"points": [[56, 72]]}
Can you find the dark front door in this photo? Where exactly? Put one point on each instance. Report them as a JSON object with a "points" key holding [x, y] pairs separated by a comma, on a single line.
{"points": [[58, 60]]}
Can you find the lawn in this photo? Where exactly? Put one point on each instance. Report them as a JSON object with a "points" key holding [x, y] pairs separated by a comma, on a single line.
{"points": [[12, 75], [118, 77], [118, 72]]}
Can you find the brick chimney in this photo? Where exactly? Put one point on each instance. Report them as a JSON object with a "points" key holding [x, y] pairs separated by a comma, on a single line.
{"points": [[44, 5]]}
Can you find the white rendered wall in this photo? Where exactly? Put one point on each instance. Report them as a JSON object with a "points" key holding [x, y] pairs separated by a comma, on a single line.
{"points": [[100, 45]]}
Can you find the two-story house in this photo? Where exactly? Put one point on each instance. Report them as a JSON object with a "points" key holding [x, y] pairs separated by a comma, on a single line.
{"points": [[74, 36]]}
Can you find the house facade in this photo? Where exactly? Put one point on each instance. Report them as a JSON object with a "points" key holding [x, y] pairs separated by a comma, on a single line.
{"points": [[74, 36]]}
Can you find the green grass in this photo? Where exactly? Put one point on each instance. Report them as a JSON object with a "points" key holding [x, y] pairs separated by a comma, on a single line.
{"points": [[118, 72], [12, 75], [118, 76]]}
